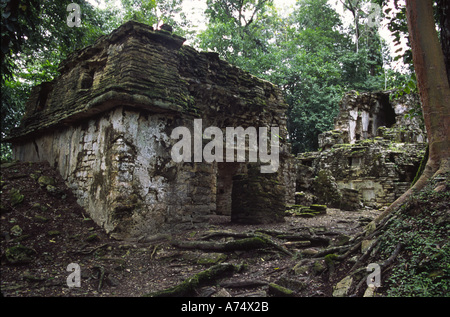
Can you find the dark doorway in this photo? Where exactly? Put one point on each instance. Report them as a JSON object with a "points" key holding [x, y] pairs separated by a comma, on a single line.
{"points": [[225, 173]]}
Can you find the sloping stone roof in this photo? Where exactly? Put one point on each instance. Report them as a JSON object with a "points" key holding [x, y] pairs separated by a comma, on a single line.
{"points": [[140, 67]]}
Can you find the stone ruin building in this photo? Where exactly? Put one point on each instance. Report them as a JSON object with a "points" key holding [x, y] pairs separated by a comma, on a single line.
{"points": [[370, 158], [105, 123]]}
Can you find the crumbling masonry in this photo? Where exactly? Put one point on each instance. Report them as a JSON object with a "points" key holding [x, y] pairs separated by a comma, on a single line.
{"points": [[105, 123], [370, 158]]}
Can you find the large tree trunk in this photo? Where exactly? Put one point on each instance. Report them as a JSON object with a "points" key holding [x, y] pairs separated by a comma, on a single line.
{"points": [[434, 92], [444, 24], [432, 81]]}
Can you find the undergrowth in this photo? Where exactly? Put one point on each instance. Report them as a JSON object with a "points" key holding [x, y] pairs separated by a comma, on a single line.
{"points": [[422, 226]]}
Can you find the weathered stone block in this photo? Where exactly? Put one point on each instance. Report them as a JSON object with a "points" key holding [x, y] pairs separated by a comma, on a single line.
{"points": [[257, 198], [326, 190]]}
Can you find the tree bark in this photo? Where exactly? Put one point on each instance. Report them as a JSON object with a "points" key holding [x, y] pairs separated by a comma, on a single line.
{"points": [[250, 243], [434, 92], [443, 8]]}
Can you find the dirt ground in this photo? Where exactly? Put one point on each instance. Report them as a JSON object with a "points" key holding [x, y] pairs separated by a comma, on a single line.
{"points": [[55, 232]]}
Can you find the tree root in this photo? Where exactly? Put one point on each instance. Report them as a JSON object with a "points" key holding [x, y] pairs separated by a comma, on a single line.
{"points": [[90, 250], [391, 259], [189, 286], [314, 239], [248, 243], [383, 266], [333, 250], [226, 234], [243, 283]]}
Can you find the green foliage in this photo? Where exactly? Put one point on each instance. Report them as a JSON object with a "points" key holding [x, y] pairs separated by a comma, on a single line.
{"points": [[35, 38], [5, 152], [324, 65], [18, 22], [240, 31], [154, 13], [429, 272], [308, 54], [36, 31], [13, 94], [422, 226]]}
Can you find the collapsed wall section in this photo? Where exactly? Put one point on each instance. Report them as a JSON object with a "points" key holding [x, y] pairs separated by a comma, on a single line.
{"points": [[372, 154], [362, 114]]}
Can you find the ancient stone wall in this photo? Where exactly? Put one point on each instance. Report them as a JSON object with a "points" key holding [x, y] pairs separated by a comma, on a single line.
{"points": [[105, 123], [255, 193], [374, 149], [361, 116]]}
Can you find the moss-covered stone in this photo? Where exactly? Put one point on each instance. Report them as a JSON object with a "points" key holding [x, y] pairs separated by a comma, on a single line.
{"points": [[317, 207], [53, 233], [15, 197], [44, 181], [307, 214], [330, 259], [211, 258], [280, 291], [319, 266], [326, 190], [306, 211], [92, 238], [38, 206], [41, 219], [301, 269], [342, 288], [374, 149], [257, 198], [8, 164], [341, 240], [20, 254], [16, 230]]}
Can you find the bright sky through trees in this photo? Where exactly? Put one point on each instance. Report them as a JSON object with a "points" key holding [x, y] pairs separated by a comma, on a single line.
{"points": [[194, 10]]}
